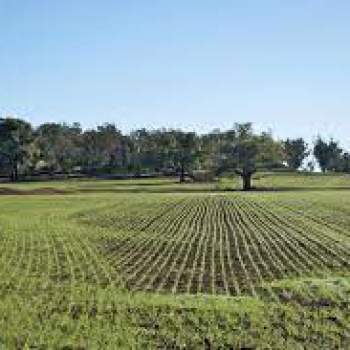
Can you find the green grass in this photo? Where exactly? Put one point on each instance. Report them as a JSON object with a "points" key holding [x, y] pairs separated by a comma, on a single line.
{"points": [[292, 182], [74, 186], [155, 264]]}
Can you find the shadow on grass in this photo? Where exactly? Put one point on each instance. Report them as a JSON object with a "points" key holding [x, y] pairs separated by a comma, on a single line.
{"points": [[177, 188], [53, 191], [129, 184], [38, 191]]}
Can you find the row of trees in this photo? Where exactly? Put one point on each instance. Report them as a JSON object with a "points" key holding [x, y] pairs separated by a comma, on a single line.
{"points": [[65, 148]]}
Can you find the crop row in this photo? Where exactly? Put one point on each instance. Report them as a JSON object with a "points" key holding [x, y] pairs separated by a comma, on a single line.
{"points": [[225, 245], [211, 244]]}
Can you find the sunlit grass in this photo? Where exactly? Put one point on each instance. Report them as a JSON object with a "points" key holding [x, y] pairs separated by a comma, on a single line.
{"points": [[83, 269]]}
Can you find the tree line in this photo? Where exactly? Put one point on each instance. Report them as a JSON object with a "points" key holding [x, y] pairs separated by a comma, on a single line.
{"points": [[53, 148]]}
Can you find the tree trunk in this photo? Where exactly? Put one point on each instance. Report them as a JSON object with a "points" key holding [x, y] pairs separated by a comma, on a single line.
{"points": [[182, 173], [14, 173], [247, 182], [246, 176]]}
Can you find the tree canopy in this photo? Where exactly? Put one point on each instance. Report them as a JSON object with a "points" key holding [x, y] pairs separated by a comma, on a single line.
{"points": [[329, 155], [296, 151], [53, 148]]}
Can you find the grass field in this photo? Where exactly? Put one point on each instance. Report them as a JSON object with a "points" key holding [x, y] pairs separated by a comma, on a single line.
{"points": [[155, 264]]}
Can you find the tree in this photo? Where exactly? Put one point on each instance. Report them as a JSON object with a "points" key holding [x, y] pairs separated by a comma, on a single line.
{"points": [[346, 162], [15, 139], [65, 148], [327, 154], [142, 151], [295, 151], [105, 148], [60, 146], [321, 153], [185, 151], [253, 151], [211, 155]]}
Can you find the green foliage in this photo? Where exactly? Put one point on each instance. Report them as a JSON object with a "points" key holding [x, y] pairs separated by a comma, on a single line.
{"points": [[246, 152], [295, 152], [59, 146], [328, 154], [15, 139], [65, 149], [105, 148]]}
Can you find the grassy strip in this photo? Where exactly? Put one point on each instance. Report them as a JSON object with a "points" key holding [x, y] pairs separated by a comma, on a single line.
{"points": [[106, 318]]}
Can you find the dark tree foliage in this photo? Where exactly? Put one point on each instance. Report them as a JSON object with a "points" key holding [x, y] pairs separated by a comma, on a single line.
{"points": [[15, 139], [346, 162], [295, 151], [328, 155], [185, 152], [60, 148], [103, 149]]}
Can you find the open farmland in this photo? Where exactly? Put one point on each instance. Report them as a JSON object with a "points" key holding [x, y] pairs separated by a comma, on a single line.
{"points": [[159, 267], [218, 244]]}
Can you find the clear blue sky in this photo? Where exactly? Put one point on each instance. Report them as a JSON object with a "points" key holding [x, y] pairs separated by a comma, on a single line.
{"points": [[195, 64]]}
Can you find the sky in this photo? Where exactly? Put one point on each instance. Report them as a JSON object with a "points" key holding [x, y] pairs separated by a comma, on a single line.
{"points": [[194, 64]]}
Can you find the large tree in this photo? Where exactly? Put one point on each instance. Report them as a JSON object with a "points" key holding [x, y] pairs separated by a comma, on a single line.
{"points": [[186, 152], [105, 148], [295, 151], [15, 140], [60, 146], [327, 154], [251, 152]]}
